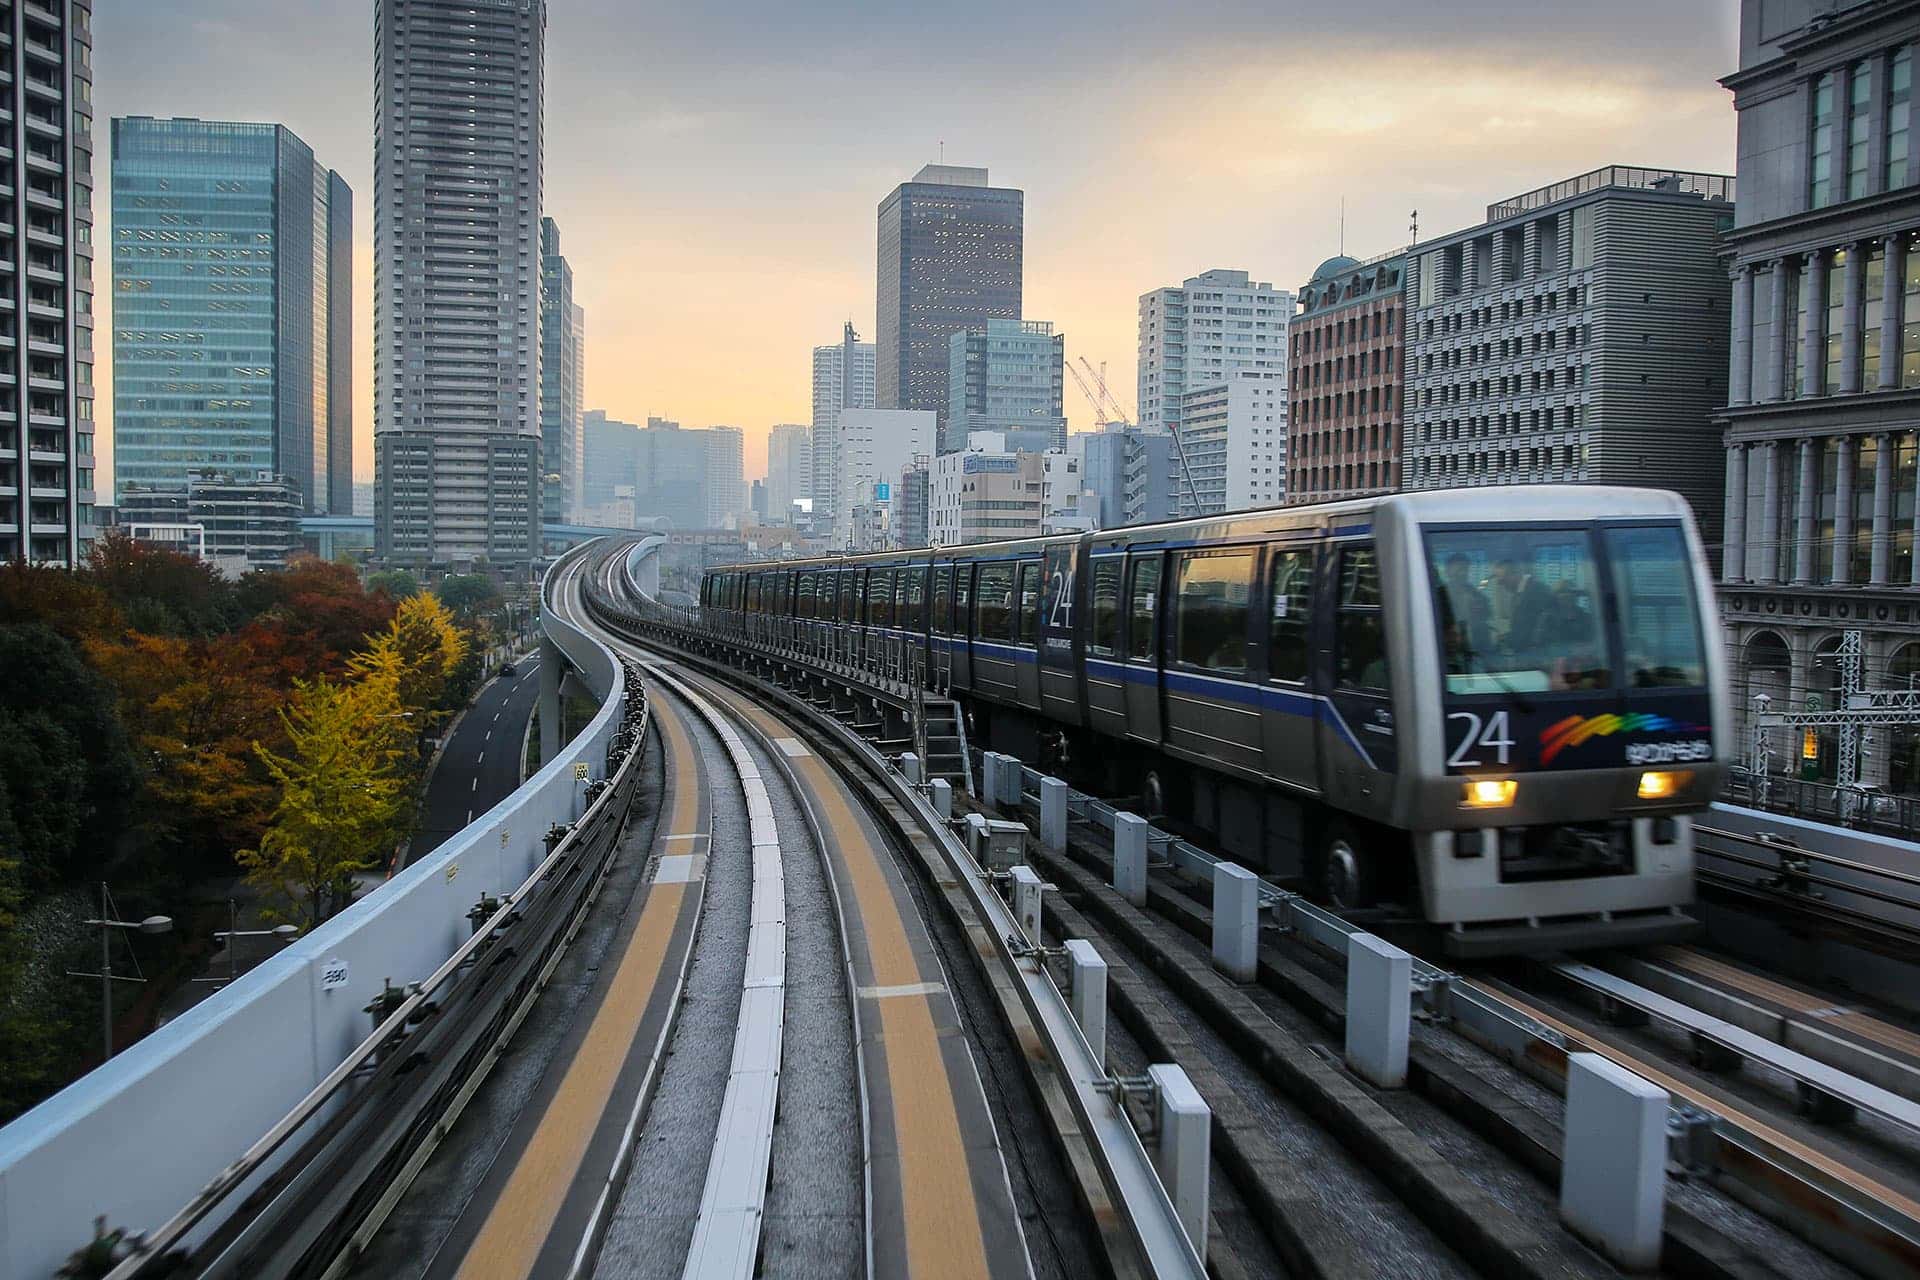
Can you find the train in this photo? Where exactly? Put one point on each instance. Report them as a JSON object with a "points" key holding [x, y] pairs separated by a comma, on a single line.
{"points": [[1499, 707]]}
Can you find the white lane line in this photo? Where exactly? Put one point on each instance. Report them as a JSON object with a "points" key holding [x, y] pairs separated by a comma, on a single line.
{"points": [[496, 717], [487, 736], [481, 758], [475, 786], [469, 817]]}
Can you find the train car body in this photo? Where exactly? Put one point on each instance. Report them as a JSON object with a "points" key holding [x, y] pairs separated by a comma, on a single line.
{"points": [[1500, 704]]}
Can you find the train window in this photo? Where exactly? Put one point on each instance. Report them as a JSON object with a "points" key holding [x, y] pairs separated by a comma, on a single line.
{"points": [[880, 598], [753, 593], [1517, 609], [942, 599], [1029, 601], [803, 595], [1659, 614], [1210, 594], [995, 602], [849, 595], [913, 594], [1143, 602], [1289, 613], [1360, 636], [962, 594], [1105, 637]]}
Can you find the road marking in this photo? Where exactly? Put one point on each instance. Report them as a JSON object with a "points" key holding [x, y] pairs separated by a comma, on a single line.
{"points": [[469, 817], [475, 786], [481, 758], [487, 737], [903, 989], [792, 746], [496, 716]]}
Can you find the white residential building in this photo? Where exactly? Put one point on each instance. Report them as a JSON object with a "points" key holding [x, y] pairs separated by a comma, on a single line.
{"points": [[726, 477], [1210, 327], [1235, 438], [789, 470], [842, 379], [989, 493], [457, 139], [871, 448]]}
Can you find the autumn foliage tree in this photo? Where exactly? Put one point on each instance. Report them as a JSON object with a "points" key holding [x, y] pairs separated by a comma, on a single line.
{"points": [[429, 648], [343, 788]]}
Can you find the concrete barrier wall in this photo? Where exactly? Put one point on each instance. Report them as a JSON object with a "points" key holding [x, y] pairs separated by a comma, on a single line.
{"points": [[138, 1137]]}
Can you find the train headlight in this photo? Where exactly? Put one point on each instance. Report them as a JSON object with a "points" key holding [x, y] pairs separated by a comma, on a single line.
{"points": [[1489, 793], [1664, 784]]}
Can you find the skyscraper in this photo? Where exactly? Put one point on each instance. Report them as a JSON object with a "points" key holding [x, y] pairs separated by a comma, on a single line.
{"points": [[46, 408], [233, 336], [789, 470], [843, 378], [1210, 327], [563, 340], [726, 476], [458, 135], [950, 256], [1005, 375]]}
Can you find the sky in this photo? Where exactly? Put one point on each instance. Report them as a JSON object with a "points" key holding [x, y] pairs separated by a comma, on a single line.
{"points": [[716, 168]]}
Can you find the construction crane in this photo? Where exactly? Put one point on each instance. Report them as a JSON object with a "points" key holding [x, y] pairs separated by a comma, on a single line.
{"points": [[1105, 402]]}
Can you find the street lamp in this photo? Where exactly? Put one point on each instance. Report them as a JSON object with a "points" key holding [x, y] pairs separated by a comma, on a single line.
{"points": [[152, 924], [285, 932]]}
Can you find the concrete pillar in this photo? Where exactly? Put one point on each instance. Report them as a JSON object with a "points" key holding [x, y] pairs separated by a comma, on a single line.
{"points": [[1053, 815], [1893, 287], [1087, 983], [1813, 325], [1767, 568], [1853, 305], [1613, 1171], [1182, 1156], [1882, 509], [1130, 857], [1803, 513], [1236, 922], [551, 662], [1740, 377], [1842, 549], [1379, 1010], [1733, 566], [1027, 889]]}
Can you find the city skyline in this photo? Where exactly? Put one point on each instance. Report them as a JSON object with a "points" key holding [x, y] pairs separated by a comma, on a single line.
{"points": [[1437, 130]]}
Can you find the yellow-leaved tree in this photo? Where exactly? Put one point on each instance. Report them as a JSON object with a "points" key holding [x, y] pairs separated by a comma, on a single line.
{"points": [[343, 787], [428, 647]]}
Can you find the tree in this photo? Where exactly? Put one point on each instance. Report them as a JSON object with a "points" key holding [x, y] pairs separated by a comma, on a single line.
{"points": [[430, 649], [342, 789], [69, 603], [68, 771], [312, 616], [164, 591], [397, 583], [194, 710], [468, 594]]}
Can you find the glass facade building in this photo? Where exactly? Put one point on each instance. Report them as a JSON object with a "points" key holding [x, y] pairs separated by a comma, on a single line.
{"points": [[232, 344], [951, 256], [1006, 376], [563, 341]]}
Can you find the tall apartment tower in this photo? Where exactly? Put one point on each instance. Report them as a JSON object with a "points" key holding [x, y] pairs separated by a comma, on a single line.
{"points": [[726, 486], [563, 356], [233, 266], [789, 470], [951, 250], [46, 278], [457, 187], [1577, 336], [843, 378], [1211, 326], [1345, 377], [1006, 376], [1822, 416]]}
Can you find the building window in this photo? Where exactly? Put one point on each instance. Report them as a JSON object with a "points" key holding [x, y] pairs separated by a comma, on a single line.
{"points": [[1820, 167], [1899, 114], [1866, 457], [1836, 317], [1870, 330], [1859, 99], [1900, 563]]}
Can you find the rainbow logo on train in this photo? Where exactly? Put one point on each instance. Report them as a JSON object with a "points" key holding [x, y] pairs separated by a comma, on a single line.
{"points": [[1574, 730]]}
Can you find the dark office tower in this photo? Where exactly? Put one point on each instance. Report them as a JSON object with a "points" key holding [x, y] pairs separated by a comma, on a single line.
{"points": [[951, 251], [232, 351], [456, 310], [563, 335], [46, 282]]}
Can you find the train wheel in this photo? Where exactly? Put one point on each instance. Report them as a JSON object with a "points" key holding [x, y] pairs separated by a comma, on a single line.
{"points": [[1153, 796], [1347, 876]]}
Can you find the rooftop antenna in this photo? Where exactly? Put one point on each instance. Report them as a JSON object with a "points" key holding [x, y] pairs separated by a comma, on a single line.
{"points": [[1415, 228], [943, 151], [1343, 226]]}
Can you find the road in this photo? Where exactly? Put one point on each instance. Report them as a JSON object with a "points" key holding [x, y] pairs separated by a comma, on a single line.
{"points": [[480, 766]]}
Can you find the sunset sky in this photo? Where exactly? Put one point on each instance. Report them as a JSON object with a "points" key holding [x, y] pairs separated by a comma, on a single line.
{"points": [[715, 169]]}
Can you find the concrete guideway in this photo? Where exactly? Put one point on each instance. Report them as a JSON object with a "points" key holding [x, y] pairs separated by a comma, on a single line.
{"points": [[543, 1204]]}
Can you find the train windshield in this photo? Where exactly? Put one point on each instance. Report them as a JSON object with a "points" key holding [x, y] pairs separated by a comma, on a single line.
{"points": [[1521, 611]]}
